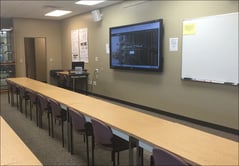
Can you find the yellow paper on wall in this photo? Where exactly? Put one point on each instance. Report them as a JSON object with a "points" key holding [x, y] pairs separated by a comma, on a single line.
{"points": [[189, 28]]}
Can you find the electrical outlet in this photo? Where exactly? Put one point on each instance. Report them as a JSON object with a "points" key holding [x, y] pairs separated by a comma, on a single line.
{"points": [[97, 70], [94, 82]]}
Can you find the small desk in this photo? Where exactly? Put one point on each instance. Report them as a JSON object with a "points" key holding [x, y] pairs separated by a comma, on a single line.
{"points": [[13, 150], [72, 75]]}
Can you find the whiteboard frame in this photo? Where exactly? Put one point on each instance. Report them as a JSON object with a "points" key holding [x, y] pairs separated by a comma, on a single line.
{"points": [[210, 52]]}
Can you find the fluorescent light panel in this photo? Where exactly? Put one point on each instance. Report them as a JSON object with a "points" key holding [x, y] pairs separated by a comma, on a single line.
{"points": [[58, 13], [89, 2]]}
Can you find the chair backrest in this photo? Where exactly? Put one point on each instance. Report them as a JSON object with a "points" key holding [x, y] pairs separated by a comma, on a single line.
{"points": [[15, 88], [32, 95], [9, 86], [162, 157], [78, 120], [102, 133], [43, 103], [55, 108], [22, 91]]}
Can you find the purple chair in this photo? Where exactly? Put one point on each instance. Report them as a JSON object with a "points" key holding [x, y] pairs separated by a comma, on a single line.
{"points": [[79, 123], [14, 90], [105, 139], [9, 91], [44, 107], [161, 157], [58, 114], [33, 101], [23, 95]]}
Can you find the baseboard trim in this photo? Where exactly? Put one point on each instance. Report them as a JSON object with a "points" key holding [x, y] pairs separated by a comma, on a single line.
{"points": [[180, 117]]}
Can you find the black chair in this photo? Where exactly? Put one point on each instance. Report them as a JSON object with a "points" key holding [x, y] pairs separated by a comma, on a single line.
{"points": [[79, 123], [33, 101], [14, 92], [9, 91], [104, 138], [58, 114], [62, 81], [161, 157], [44, 107], [23, 95], [65, 82]]}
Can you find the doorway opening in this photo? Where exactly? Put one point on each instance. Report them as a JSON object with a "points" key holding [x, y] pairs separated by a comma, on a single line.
{"points": [[35, 55]]}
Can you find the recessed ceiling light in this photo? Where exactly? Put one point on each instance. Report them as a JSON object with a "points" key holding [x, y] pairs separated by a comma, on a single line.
{"points": [[58, 13], [89, 2]]}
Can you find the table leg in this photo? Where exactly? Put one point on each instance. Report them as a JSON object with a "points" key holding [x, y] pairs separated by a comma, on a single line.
{"points": [[133, 142], [74, 84]]}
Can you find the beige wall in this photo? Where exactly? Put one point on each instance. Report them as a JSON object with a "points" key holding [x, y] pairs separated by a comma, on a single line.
{"points": [[164, 91], [51, 30]]}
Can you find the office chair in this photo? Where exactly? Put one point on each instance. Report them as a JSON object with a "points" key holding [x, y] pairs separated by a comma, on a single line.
{"points": [[9, 91], [79, 123], [33, 101], [44, 107], [23, 95], [14, 90], [105, 139], [58, 114], [62, 81], [161, 157]]}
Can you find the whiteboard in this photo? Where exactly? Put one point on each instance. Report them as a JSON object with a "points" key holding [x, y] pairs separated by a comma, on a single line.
{"points": [[210, 49]]}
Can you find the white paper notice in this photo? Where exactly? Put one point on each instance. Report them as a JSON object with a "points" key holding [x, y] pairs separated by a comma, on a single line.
{"points": [[83, 44], [173, 44], [107, 48], [75, 46], [79, 45]]}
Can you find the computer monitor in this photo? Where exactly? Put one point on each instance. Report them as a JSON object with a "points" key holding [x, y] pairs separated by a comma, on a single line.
{"points": [[78, 64]]}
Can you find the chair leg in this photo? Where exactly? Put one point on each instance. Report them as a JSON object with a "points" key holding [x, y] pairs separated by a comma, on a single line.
{"points": [[71, 138], [141, 151], [37, 114], [26, 108], [31, 105], [118, 154], [48, 118], [52, 132], [62, 132], [20, 102], [87, 150], [12, 98], [113, 157], [92, 150], [151, 161], [8, 96]]}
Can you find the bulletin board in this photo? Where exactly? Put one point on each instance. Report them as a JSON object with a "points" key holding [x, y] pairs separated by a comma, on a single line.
{"points": [[210, 49]]}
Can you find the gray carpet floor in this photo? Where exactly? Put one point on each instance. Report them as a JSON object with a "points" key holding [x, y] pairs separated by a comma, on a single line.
{"points": [[50, 151]]}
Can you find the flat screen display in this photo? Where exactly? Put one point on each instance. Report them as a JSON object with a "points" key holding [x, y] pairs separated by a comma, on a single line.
{"points": [[137, 46]]}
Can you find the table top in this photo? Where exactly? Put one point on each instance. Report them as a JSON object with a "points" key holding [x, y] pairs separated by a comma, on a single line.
{"points": [[192, 144], [13, 149]]}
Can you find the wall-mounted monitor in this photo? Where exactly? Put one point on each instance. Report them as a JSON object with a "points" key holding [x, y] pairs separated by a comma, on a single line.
{"points": [[137, 46]]}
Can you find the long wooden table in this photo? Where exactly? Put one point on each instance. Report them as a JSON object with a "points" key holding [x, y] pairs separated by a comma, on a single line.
{"points": [[13, 150], [194, 145]]}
